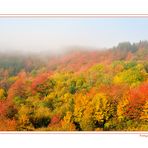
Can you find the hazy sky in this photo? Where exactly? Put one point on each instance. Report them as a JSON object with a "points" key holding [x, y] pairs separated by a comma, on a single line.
{"points": [[58, 33]]}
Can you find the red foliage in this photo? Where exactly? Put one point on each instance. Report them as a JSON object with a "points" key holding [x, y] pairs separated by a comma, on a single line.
{"points": [[114, 92], [40, 79], [137, 98], [55, 119], [3, 107], [17, 87], [129, 56], [79, 60]]}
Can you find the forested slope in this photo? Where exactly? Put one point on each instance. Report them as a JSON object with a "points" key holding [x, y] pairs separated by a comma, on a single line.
{"points": [[82, 90]]}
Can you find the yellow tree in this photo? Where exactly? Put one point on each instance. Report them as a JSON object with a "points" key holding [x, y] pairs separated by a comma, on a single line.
{"points": [[23, 118], [2, 94], [144, 114], [67, 124], [122, 108], [103, 109], [83, 112]]}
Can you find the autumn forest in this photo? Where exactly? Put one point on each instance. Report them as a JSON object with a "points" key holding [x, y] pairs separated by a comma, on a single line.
{"points": [[78, 90]]}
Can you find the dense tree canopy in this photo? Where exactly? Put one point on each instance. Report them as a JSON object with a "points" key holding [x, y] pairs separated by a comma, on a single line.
{"points": [[77, 91]]}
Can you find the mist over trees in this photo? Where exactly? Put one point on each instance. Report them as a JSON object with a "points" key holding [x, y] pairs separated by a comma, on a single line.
{"points": [[78, 90]]}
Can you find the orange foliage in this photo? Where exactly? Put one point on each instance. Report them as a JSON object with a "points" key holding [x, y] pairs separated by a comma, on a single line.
{"points": [[17, 87], [3, 107], [40, 79], [137, 98], [7, 125]]}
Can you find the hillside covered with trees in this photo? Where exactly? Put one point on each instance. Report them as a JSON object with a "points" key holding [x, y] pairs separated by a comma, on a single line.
{"points": [[79, 90]]}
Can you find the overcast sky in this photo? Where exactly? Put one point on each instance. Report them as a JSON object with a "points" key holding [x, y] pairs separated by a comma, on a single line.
{"points": [[55, 34]]}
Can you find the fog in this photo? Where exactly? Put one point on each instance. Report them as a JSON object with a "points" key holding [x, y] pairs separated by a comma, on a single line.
{"points": [[57, 35]]}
